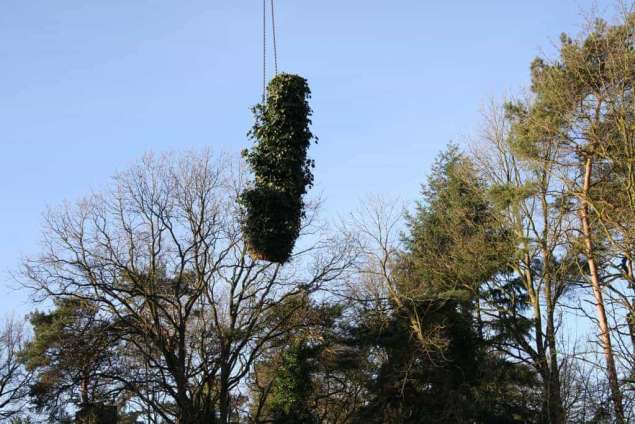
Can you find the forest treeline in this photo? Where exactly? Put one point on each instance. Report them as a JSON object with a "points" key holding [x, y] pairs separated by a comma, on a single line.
{"points": [[505, 295]]}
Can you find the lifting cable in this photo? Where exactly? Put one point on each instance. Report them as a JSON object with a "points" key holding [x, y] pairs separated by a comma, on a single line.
{"points": [[264, 45], [275, 45]]}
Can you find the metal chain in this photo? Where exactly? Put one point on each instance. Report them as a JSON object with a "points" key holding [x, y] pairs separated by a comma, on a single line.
{"points": [[273, 32], [264, 50], [264, 45]]}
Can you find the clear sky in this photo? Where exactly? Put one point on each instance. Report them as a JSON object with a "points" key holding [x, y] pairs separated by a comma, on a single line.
{"points": [[88, 86]]}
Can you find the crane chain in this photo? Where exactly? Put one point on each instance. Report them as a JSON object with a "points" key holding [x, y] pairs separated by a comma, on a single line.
{"points": [[264, 45]]}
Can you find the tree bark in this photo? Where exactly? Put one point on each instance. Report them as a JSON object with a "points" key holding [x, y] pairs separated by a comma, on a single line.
{"points": [[551, 402], [605, 336], [554, 398], [556, 410], [224, 395]]}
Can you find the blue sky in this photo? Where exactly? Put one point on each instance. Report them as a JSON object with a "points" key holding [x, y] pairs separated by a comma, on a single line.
{"points": [[86, 87]]}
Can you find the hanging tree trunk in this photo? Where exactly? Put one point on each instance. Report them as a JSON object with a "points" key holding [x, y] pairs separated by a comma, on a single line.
{"points": [[274, 205]]}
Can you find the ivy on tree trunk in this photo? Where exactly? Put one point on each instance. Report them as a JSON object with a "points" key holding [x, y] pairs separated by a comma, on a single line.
{"points": [[274, 205]]}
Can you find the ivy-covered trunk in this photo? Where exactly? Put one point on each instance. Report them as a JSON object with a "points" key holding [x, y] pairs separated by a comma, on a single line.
{"points": [[274, 206]]}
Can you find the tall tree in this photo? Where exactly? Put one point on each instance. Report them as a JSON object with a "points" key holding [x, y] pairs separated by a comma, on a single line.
{"points": [[162, 255], [455, 242], [72, 355], [581, 101], [454, 245], [536, 211]]}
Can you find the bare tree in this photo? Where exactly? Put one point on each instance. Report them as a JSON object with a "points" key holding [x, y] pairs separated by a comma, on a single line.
{"points": [[14, 379], [535, 210], [162, 254]]}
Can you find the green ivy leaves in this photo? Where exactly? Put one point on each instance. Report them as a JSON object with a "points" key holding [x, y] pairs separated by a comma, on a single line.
{"points": [[274, 207]]}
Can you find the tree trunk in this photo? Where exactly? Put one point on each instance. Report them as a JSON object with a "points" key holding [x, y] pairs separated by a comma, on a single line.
{"points": [[630, 316], [630, 321], [548, 399], [605, 336], [224, 397], [555, 408]]}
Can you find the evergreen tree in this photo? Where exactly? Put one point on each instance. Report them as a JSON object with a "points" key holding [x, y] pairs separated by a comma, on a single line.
{"points": [[71, 356], [582, 111], [437, 353]]}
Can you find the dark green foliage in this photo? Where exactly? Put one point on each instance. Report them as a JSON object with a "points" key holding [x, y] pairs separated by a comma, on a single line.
{"points": [[96, 413], [291, 376], [439, 366], [283, 137], [511, 299], [455, 241], [70, 349], [274, 207], [462, 383], [272, 222], [292, 387]]}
